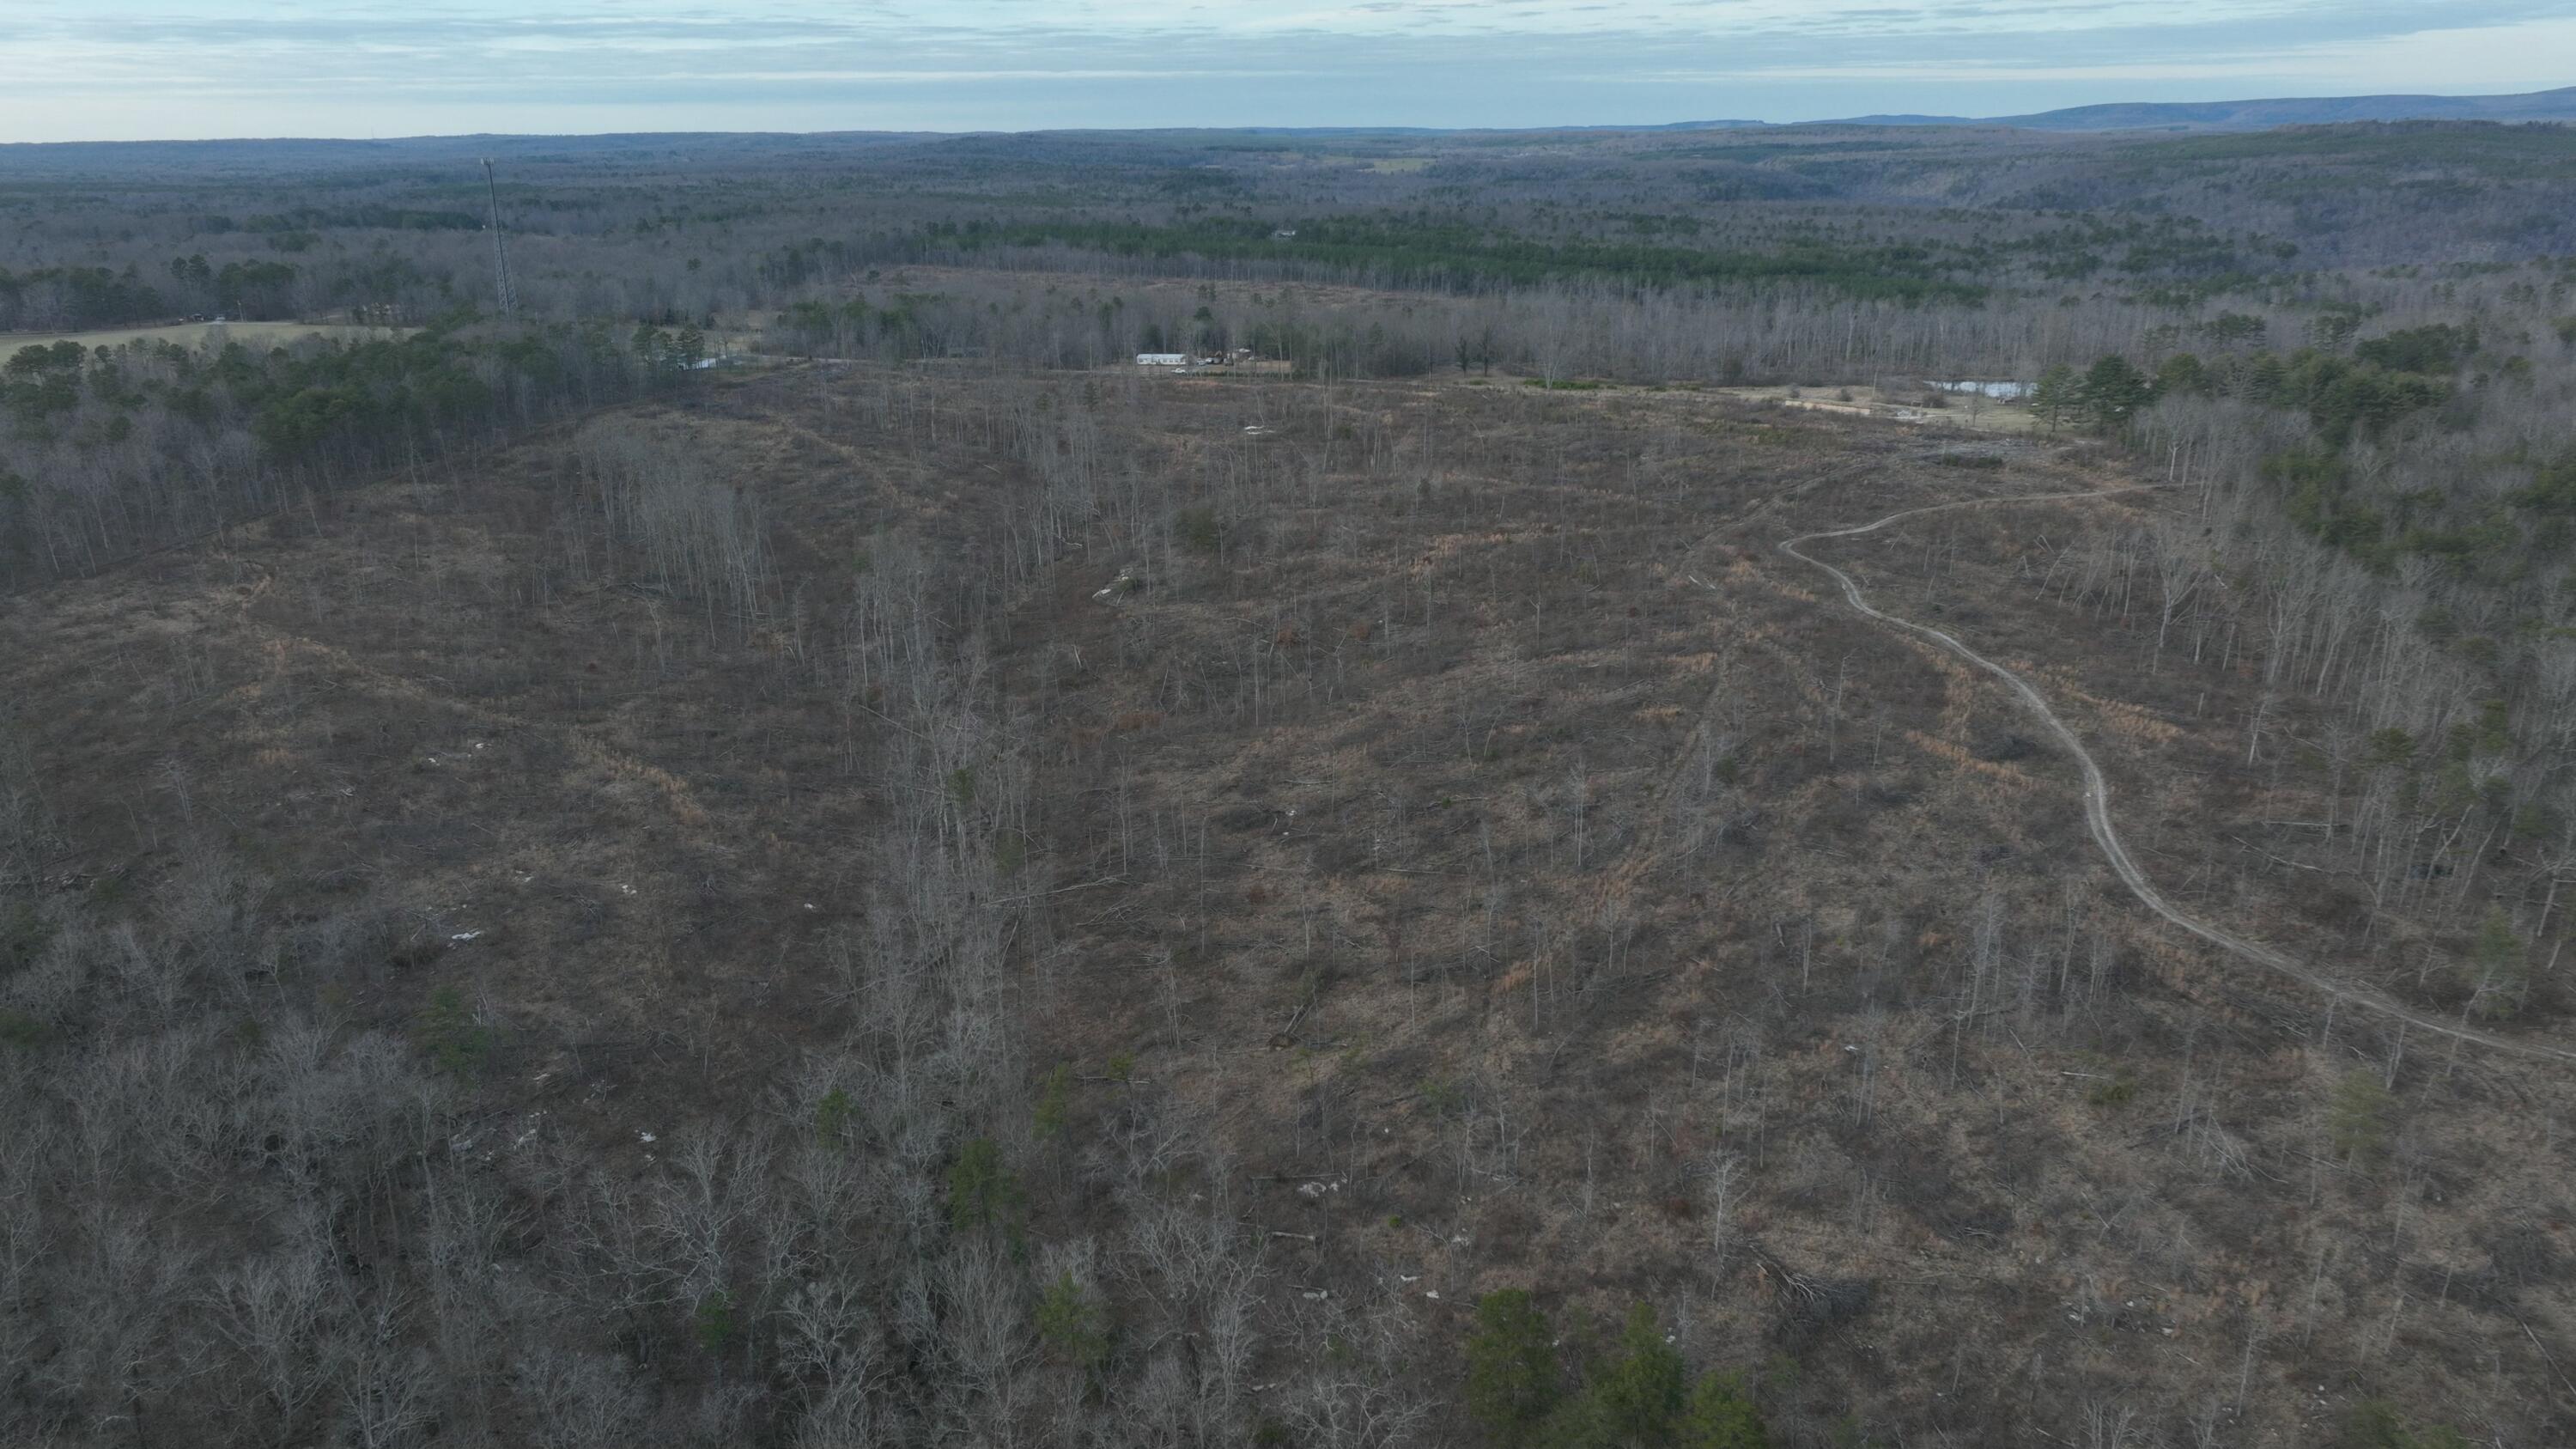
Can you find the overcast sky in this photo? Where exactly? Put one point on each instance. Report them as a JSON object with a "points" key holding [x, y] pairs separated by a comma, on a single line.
{"points": [[131, 69]]}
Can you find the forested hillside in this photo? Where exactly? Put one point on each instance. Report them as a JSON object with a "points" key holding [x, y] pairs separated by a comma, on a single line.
{"points": [[783, 846]]}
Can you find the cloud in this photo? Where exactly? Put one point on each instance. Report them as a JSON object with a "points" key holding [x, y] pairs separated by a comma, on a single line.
{"points": [[371, 67]]}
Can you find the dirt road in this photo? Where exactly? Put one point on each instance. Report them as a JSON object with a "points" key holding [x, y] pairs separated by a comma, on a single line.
{"points": [[2097, 795]]}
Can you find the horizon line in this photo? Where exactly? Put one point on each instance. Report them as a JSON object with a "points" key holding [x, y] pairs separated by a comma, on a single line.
{"points": [[1882, 120]]}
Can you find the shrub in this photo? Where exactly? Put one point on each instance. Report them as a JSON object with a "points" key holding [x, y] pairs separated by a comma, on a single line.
{"points": [[2358, 1121], [2377, 1424], [2502, 965], [713, 1320], [982, 1191], [457, 1042], [2114, 1092], [2391, 746], [1640, 1393], [2552, 489], [2056, 397], [832, 1117], [2435, 349], [1511, 1367], [2112, 390], [1721, 1415], [23, 936], [1073, 1324], [1054, 1107]]}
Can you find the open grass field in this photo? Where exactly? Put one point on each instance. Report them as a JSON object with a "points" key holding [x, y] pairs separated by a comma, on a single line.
{"points": [[198, 334]]}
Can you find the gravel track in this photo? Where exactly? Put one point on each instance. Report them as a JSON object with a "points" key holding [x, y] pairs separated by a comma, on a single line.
{"points": [[2097, 795]]}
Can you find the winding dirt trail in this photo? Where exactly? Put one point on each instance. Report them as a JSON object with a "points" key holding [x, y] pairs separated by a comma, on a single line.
{"points": [[2097, 793]]}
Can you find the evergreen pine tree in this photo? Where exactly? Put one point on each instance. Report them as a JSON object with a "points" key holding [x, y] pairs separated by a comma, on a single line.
{"points": [[1511, 1367]]}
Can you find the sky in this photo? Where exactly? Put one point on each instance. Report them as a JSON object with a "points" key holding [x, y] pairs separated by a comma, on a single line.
{"points": [[185, 69]]}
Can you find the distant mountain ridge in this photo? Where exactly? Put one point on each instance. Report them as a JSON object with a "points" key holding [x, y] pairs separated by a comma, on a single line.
{"points": [[30, 157], [2556, 105]]}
